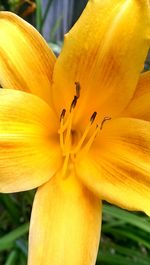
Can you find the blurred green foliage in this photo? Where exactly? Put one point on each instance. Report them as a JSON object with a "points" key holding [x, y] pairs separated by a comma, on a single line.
{"points": [[14, 5]]}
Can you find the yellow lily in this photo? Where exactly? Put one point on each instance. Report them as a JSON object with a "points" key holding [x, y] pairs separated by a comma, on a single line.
{"points": [[80, 129]]}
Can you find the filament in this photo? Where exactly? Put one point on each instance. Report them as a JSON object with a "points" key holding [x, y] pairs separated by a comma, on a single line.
{"points": [[68, 133], [91, 140], [88, 128], [65, 165]]}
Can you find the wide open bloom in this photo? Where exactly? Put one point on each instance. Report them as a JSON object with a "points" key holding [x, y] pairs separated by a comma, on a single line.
{"points": [[79, 127]]}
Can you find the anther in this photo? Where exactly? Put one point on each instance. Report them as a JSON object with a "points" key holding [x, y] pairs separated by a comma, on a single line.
{"points": [[103, 121], [62, 115], [92, 119], [74, 102], [78, 88], [80, 143]]}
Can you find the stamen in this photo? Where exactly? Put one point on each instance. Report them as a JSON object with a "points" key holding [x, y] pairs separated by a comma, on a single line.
{"points": [[73, 104], [92, 138], [65, 165], [68, 134], [61, 130], [103, 121], [62, 115], [69, 125], [92, 119], [78, 88], [85, 133]]}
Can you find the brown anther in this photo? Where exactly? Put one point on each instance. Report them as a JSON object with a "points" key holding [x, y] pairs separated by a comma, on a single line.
{"points": [[62, 115], [78, 88], [93, 117], [74, 102], [103, 121]]}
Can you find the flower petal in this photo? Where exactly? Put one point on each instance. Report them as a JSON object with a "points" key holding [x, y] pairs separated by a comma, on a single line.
{"points": [[139, 107], [29, 152], [117, 168], [65, 224], [105, 53], [26, 61]]}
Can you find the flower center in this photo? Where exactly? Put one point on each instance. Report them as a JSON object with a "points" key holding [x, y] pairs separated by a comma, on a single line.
{"points": [[72, 141]]}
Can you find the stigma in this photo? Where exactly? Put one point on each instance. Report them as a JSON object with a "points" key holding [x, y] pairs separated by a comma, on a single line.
{"points": [[71, 140]]}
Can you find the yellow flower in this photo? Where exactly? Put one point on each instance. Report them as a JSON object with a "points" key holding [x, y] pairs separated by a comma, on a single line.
{"points": [[80, 129]]}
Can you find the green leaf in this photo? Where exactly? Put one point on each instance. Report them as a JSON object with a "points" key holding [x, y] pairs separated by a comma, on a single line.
{"points": [[130, 218], [12, 258], [7, 241]]}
